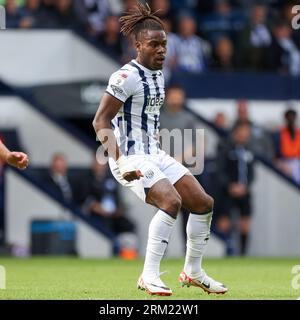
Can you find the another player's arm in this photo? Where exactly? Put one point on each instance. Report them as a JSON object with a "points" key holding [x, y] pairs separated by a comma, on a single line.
{"points": [[14, 158], [108, 108]]}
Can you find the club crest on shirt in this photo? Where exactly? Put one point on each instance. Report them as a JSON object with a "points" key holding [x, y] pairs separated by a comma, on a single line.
{"points": [[149, 174], [124, 75]]}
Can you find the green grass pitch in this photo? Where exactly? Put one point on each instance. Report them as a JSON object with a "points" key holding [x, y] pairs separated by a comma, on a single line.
{"points": [[74, 278]]}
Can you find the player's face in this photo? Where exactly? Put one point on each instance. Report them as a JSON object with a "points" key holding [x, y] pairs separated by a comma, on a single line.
{"points": [[152, 49]]}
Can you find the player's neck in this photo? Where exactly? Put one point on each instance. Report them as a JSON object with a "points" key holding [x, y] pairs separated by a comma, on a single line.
{"points": [[139, 61]]}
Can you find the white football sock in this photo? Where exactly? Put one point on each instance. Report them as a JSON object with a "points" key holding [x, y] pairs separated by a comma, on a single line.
{"points": [[158, 237], [198, 232]]}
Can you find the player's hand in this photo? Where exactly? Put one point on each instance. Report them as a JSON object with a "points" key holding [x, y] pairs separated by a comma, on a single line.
{"points": [[127, 170], [18, 159], [132, 175]]}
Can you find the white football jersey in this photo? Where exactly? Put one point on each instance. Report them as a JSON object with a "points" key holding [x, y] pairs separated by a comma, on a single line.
{"points": [[136, 126]]}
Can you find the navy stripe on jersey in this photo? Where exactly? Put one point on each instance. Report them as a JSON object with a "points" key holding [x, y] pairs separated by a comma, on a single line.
{"points": [[120, 125], [154, 77], [144, 115], [155, 121], [127, 119]]}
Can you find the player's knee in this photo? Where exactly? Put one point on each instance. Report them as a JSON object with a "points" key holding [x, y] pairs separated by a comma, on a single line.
{"points": [[206, 204], [173, 205]]}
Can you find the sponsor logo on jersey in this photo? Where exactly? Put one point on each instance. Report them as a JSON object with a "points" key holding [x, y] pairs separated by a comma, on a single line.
{"points": [[116, 89], [154, 104]]}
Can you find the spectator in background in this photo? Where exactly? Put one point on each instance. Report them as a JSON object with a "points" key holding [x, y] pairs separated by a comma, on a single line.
{"points": [[203, 6], [65, 17], [283, 54], [248, 4], [170, 60], [235, 171], [223, 56], [111, 37], [13, 15], [192, 52], [218, 23], [47, 5], [180, 5], [221, 122], [174, 116], [58, 180], [165, 11], [288, 15], [58, 14], [162, 8], [260, 140], [289, 145], [103, 204], [254, 40], [93, 14], [128, 5], [30, 13], [46, 10]]}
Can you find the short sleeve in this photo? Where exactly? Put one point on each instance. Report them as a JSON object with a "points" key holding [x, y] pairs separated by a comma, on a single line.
{"points": [[120, 85]]}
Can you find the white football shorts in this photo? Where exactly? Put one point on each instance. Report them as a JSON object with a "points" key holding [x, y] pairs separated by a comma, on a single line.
{"points": [[154, 168]]}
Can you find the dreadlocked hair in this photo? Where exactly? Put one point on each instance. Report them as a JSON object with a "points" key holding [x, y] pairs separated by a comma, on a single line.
{"points": [[138, 19]]}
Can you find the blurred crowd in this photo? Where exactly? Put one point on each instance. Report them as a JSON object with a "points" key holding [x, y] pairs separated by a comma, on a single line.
{"points": [[208, 34]]}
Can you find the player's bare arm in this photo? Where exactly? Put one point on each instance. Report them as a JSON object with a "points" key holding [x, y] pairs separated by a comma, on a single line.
{"points": [[14, 158], [108, 108]]}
